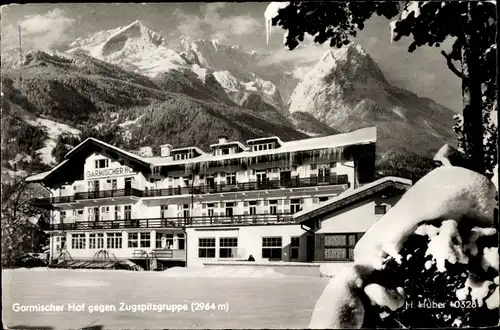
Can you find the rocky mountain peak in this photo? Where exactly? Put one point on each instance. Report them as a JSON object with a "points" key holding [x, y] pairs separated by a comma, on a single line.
{"points": [[352, 63]]}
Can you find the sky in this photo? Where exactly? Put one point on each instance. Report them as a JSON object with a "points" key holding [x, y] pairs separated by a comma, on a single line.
{"points": [[54, 26]]}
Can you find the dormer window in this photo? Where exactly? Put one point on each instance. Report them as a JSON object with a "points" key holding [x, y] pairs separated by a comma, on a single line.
{"points": [[101, 163]]}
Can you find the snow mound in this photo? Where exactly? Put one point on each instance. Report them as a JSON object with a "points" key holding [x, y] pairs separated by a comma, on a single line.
{"points": [[490, 258], [393, 299], [447, 246], [231, 272], [447, 193]]}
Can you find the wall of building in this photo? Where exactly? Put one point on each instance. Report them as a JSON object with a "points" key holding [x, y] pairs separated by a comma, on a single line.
{"points": [[356, 218], [249, 242]]}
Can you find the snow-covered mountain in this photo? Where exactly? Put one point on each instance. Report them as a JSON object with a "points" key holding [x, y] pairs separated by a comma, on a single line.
{"points": [[133, 47], [347, 90], [137, 48]]}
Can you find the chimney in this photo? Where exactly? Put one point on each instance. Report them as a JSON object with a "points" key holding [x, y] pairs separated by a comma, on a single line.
{"points": [[165, 150], [222, 139]]}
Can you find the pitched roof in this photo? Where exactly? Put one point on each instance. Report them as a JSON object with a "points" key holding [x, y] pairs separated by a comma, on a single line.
{"points": [[351, 196]]}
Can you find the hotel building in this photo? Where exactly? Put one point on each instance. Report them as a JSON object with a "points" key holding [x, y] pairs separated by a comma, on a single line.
{"points": [[266, 198]]}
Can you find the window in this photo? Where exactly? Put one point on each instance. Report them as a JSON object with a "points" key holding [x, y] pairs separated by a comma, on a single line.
{"points": [[261, 176], [101, 163], [340, 246], [142, 240], [105, 209], [185, 211], [63, 215], [206, 248], [228, 247], [114, 240], [210, 209], [314, 166], [118, 211], [324, 172], [229, 209], [163, 211], [273, 207], [333, 165], [294, 248], [181, 241], [78, 241], [380, 209], [323, 199], [271, 247], [128, 212], [133, 239], [169, 240], [231, 178], [96, 241], [145, 240], [295, 205], [225, 151]]}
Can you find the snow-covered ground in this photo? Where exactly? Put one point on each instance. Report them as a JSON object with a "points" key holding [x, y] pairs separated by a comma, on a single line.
{"points": [[53, 129], [258, 299]]}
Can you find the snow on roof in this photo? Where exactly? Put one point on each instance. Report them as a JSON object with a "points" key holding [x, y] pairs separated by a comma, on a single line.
{"points": [[241, 145], [352, 192], [264, 139], [37, 177], [198, 150], [360, 136], [132, 155], [40, 176]]}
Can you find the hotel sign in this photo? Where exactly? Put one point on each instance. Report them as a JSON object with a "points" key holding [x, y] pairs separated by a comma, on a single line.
{"points": [[108, 172]]}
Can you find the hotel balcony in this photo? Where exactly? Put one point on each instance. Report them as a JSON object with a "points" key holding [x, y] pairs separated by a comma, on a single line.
{"points": [[91, 198], [341, 181], [235, 220]]}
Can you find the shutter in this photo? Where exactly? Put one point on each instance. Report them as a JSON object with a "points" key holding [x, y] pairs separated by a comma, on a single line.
{"points": [[204, 205], [216, 205], [287, 201], [266, 203], [280, 202], [319, 251]]}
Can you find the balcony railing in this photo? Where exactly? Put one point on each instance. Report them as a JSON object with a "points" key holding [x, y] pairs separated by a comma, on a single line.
{"points": [[248, 186], [198, 190], [91, 195], [174, 222]]}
